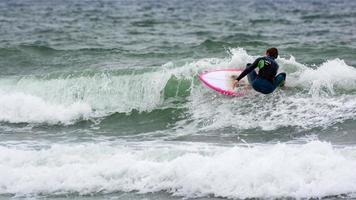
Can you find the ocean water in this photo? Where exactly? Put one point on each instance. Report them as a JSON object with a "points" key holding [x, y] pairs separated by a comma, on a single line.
{"points": [[101, 100]]}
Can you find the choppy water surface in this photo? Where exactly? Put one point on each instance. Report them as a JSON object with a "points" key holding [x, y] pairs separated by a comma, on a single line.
{"points": [[100, 99]]}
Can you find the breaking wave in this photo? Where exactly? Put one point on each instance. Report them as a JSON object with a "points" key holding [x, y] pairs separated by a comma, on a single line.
{"points": [[315, 95]]}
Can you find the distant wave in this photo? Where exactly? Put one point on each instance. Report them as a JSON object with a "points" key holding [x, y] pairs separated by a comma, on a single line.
{"points": [[43, 47]]}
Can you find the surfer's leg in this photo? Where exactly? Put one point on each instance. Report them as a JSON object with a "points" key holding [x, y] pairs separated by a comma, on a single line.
{"points": [[264, 86], [280, 79], [251, 76]]}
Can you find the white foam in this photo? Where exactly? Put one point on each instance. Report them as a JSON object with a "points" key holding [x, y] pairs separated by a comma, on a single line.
{"points": [[315, 169], [270, 112], [20, 107], [328, 75], [239, 58]]}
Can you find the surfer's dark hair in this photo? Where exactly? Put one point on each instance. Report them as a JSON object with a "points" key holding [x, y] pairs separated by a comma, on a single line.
{"points": [[272, 52]]}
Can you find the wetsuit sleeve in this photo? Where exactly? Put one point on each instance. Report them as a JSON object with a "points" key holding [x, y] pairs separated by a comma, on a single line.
{"points": [[249, 69]]}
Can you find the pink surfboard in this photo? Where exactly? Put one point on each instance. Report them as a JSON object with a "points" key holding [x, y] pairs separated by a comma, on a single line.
{"points": [[221, 80]]}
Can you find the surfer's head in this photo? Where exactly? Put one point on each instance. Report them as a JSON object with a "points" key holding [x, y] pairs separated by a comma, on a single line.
{"points": [[273, 52]]}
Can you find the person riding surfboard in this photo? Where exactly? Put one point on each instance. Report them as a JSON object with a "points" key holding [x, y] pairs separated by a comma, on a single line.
{"points": [[265, 81]]}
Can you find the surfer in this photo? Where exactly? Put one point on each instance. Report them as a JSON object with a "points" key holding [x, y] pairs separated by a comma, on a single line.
{"points": [[265, 81]]}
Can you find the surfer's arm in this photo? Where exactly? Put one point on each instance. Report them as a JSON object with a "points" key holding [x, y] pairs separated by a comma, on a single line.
{"points": [[249, 69]]}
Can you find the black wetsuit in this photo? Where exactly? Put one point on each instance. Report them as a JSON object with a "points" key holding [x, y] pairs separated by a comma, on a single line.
{"points": [[266, 80]]}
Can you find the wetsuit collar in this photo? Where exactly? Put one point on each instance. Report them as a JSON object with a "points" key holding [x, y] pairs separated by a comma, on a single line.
{"points": [[271, 57]]}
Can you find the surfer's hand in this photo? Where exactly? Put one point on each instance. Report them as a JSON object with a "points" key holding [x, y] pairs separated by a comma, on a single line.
{"points": [[235, 83]]}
